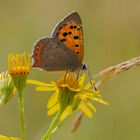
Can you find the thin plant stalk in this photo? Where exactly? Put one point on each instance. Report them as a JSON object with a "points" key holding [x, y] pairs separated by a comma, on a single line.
{"points": [[21, 109], [47, 135], [106, 74], [56, 128]]}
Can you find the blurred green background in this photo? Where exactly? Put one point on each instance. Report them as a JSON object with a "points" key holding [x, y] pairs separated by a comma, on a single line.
{"points": [[111, 35]]}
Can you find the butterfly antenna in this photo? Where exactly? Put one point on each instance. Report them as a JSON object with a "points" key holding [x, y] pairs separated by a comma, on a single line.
{"points": [[84, 67]]}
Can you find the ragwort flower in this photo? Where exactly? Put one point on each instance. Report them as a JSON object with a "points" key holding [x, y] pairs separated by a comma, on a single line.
{"points": [[19, 67], [69, 94], [7, 89]]}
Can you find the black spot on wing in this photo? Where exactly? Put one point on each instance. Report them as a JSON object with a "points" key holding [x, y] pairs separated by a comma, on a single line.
{"points": [[76, 45], [74, 26], [76, 37], [65, 34], [63, 40], [71, 27]]}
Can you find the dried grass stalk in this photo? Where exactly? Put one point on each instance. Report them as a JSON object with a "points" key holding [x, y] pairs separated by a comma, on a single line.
{"points": [[104, 75]]}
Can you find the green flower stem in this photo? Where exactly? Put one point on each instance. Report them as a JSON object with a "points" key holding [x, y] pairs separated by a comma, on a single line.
{"points": [[21, 108], [57, 127], [47, 135]]}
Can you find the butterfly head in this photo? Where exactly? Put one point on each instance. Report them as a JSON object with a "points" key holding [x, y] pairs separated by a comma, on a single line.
{"points": [[84, 67]]}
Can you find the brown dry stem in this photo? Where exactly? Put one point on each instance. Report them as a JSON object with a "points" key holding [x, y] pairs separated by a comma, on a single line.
{"points": [[104, 75]]}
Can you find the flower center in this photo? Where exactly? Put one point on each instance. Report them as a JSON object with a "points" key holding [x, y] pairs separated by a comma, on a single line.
{"points": [[68, 80]]}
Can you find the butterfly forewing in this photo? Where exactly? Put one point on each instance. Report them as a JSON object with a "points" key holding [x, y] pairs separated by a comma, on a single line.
{"points": [[69, 31]]}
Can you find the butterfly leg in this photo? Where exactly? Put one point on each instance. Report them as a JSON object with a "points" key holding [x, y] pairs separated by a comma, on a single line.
{"points": [[61, 75], [78, 73], [65, 76]]}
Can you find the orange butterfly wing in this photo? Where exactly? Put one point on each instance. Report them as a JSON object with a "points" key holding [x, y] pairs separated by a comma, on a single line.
{"points": [[69, 31], [71, 35]]}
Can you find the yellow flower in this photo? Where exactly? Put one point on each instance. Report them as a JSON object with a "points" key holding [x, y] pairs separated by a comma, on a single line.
{"points": [[19, 67], [8, 138], [70, 94], [7, 89], [19, 64]]}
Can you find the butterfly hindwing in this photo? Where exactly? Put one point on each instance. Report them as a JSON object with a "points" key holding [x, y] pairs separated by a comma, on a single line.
{"points": [[53, 57]]}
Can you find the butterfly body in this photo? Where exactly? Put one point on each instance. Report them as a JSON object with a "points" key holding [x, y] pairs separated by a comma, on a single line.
{"points": [[64, 49]]}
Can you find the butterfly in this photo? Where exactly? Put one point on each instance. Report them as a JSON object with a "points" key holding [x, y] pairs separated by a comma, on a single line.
{"points": [[64, 49]]}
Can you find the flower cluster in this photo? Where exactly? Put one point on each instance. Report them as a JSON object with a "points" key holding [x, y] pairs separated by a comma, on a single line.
{"points": [[15, 79], [19, 67], [7, 89], [19, 64], [70, 94]]}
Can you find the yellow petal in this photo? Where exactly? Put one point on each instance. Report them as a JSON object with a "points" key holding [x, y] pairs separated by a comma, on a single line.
{"points": [[8, 138], [97, 93], [91, 105], [81, 80], [53, 83], [85, 95], [38, 83], [67, 86], [54, 109], [89, 85], [52, 100], [67, 112], [85, 110], [88, 103], [90, 93], [45, 88], [98, 100]]}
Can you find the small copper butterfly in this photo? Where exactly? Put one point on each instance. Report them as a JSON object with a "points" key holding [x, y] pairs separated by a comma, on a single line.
{"points": [[64, 50]]}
